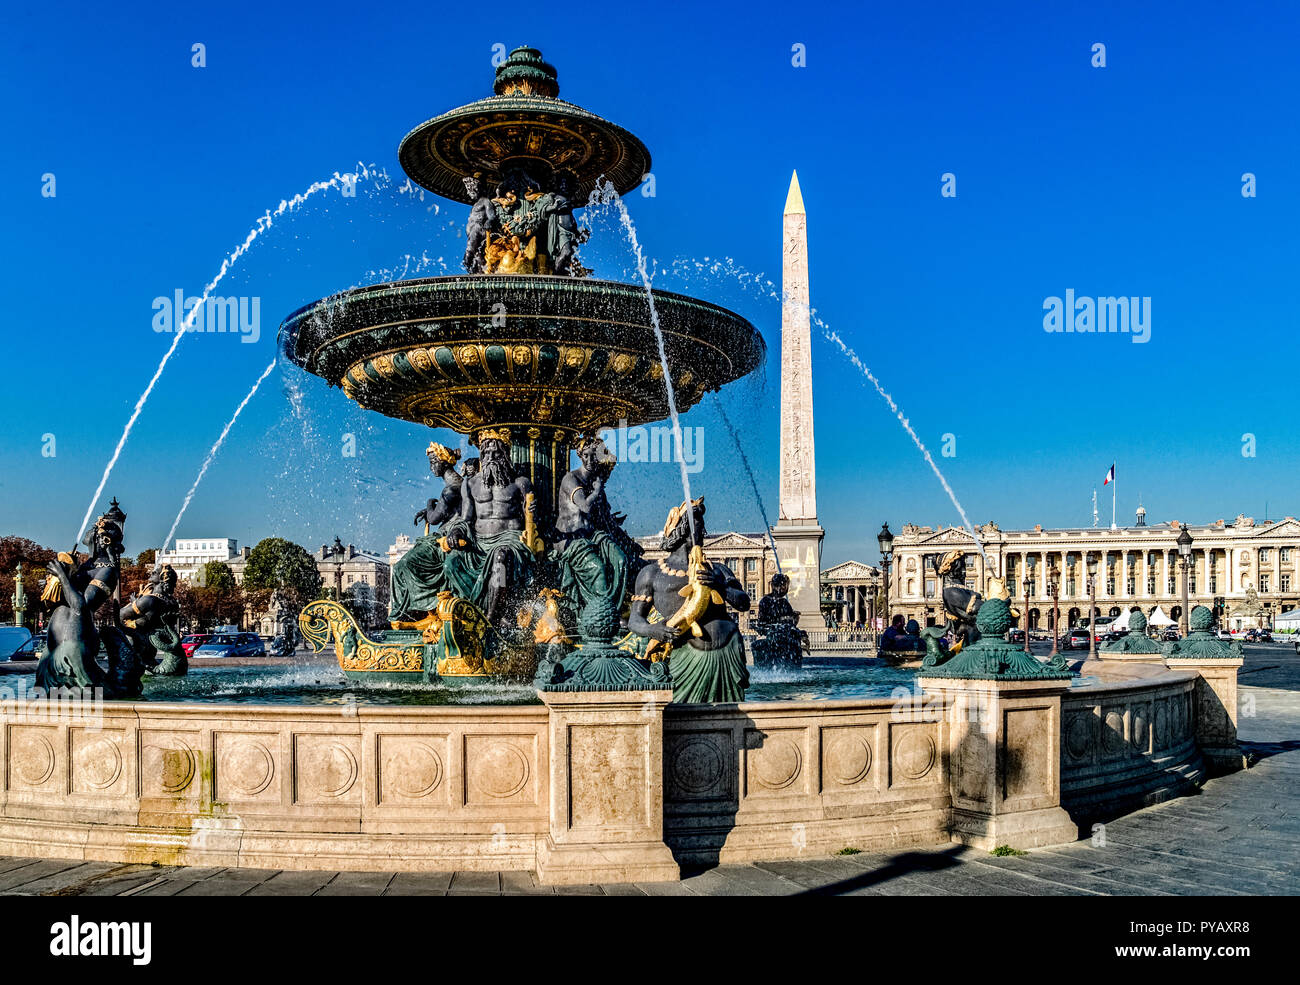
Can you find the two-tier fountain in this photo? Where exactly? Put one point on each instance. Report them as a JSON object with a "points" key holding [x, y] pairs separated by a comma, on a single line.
{"points": [[524, 567]]}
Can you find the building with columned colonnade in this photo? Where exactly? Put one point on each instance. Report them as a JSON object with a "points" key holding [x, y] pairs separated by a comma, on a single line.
{"points": [[1247, 570]]}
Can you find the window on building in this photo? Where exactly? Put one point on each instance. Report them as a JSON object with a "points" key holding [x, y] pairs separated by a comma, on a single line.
{"points": [[1263, 582], [1214, 583], [929, 587], [751, 564], [1131, 587], [839, 593], [1264, 555], [1284, 553], [1285, 583]]}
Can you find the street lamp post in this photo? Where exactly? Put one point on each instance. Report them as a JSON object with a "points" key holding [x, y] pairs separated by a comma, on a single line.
{"points": [[1030, 562], [1053, 588], [1092, 606], [20, 597], [886, 541], [1185, 555]]}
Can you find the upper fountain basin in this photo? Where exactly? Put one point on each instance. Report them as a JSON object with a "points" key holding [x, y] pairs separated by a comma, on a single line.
{"points": [[473, 351]]}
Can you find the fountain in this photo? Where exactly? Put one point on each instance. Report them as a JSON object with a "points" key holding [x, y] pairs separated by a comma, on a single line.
{"points": [[531, 357]]}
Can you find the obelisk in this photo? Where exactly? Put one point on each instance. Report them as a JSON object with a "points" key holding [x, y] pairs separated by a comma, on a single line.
{"points": [[797, 533]]}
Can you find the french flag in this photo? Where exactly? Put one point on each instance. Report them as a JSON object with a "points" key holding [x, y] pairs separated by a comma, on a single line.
{"points": [[1110, 476]]}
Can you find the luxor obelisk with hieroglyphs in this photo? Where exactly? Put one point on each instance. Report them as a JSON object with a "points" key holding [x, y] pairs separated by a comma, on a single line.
{"points": [[797, 533]]}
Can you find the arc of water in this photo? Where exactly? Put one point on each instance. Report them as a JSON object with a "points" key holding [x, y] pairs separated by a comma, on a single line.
{"points": [[852, 356], [212, 453], [753, 484], [604, 194], [264, 222], [728, 266]]}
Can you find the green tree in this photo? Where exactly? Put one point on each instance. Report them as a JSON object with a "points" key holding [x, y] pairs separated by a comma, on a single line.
{"points": [[211, 598], [279, 563]]}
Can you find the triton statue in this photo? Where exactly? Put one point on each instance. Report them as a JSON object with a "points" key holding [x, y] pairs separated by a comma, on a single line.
{"points": [[71, 596], [706, 657]]}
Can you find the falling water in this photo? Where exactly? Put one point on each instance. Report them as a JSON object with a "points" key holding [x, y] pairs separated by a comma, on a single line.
{"points": [[744, 277], [907, 426], [604, 194], [744, 460], [264, 222], [212, 453]]}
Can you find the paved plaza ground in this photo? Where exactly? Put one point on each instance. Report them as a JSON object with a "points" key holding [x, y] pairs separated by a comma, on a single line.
{"points": [[1237, 836]]}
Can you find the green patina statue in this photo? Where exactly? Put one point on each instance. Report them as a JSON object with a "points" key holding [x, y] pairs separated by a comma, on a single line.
{"points": [[418, 576], [152, 618], [991, 657], [1200, 642], [1135, 640]]}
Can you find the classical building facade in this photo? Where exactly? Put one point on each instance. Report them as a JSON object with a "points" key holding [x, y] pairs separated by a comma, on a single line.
{"points": [[855, 589], [1249, 571]]}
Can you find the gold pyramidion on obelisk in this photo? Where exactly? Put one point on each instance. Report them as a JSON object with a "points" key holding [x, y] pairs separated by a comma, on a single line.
{"points": [[797, 533]]}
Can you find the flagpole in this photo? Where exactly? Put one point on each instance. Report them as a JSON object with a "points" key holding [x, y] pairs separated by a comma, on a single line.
{"points": [[1114, 486]]}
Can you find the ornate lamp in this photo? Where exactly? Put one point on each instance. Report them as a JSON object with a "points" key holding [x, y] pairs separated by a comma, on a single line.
{"points": [[1031, 562], [886, 541], [1185, 553], [1054, 589], [1092, 605]]}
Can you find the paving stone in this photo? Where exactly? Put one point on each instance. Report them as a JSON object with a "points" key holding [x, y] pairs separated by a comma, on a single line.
{"points": [[35, 878], [524, 884], [357, 884], [476, 882], [419, 884], [292, 883]]}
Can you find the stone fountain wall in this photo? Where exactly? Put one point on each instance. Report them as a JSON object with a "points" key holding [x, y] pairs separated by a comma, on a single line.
{"points": [[586, 786]]}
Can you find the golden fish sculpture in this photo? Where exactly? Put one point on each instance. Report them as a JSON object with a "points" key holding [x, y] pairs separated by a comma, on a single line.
{"points": [[698, 597]]}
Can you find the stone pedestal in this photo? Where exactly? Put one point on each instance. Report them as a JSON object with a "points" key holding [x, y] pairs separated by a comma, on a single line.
{"points": [[799, 547], [1004, 760], [606, 815], [1216, 710]]}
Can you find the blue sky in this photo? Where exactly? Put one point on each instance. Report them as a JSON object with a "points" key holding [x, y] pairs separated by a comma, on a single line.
{"points": [[1123, 180]]}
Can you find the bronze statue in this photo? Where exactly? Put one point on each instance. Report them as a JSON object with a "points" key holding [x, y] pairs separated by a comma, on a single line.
{"points": [[71, 597], [961, 603], [706, 657], [592, 567], [482, 223], [491, 546], [783, 642], [152, 617], [417, 577]]}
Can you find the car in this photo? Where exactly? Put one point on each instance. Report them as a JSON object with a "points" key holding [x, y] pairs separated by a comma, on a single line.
{"points": [[1015, 635], [13, 639], [33, 649], [232, 645], [1171, 634], [193, 641], [1075, 639]]}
